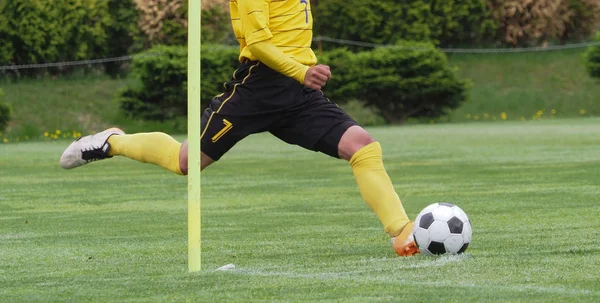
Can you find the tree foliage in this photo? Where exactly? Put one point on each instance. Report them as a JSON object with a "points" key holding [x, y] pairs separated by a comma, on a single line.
{"points": [[40, 31], [443, 22], [537, 22]]}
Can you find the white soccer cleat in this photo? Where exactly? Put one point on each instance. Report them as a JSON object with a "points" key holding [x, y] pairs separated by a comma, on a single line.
{"points": [[87, 149]]}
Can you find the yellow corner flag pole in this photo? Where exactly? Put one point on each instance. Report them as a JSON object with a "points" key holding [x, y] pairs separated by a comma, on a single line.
{"points": [[194, 110]]}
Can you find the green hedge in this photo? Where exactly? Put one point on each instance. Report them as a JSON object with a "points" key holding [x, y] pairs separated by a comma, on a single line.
{"points": [[162, 91], [412, 80], [444, 22], [592, 57], [397, 82], [39, 31], [43, 31], [5, 113]]}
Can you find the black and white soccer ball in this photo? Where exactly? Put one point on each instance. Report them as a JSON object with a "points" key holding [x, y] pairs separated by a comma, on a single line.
{"points": [[442, 228]]}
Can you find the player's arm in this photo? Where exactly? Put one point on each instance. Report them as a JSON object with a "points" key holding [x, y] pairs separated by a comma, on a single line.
{"points": [[314, 77], [273, 57], [254, 16]]}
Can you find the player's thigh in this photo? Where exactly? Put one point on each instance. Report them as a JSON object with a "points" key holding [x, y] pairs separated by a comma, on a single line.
{"points": [[228, 120], [318, 126], [220, 132]]}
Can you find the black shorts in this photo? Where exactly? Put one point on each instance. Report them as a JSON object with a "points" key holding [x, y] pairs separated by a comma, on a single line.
{"points": [[259, 99]]}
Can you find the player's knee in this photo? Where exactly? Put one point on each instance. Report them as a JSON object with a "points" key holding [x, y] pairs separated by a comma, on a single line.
{"points": [[353, 140], [183, 158], [205, 161], [183, 167]]}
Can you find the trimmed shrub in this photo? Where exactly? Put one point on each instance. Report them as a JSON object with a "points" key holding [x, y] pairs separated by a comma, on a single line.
{"points": [[218, 64], [162, 91], [5, 113], [162, 72], [411, 81], [343, 84], [592, 57]]}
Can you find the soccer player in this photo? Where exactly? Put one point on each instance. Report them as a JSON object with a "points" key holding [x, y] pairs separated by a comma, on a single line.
{"points": [[276, 89]]}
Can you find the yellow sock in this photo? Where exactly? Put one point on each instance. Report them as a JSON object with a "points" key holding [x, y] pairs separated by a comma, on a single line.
{"points": [[377, 190], [156, 148]]}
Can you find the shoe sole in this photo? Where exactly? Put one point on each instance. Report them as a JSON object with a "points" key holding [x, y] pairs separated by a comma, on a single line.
{"points": [[408, 250]]}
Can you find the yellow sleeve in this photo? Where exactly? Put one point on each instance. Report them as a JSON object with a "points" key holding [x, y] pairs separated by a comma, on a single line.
{"points": [[254, 15], [274, 58]]}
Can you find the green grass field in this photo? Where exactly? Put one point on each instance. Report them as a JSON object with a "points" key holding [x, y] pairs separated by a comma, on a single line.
{"points": [[293, 223]]}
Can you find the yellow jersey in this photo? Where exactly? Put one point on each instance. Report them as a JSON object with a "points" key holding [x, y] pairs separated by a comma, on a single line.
{"points": [[286, 23]]}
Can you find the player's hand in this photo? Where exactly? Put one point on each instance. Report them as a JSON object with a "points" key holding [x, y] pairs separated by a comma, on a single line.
{"points": [[317, 76]]}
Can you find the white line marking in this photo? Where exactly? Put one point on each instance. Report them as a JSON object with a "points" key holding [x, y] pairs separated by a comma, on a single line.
{"points": [[442, 261], [226, 267]]}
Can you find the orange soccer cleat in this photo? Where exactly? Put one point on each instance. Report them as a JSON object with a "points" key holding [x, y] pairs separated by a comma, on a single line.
{"points": [[404, 244]]}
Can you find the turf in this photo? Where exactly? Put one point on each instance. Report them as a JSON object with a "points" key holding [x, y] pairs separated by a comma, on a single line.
{"points": [[294, 225]]}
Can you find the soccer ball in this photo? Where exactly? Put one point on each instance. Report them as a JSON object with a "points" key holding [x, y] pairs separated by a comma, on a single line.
{"points": [[442, 228]]}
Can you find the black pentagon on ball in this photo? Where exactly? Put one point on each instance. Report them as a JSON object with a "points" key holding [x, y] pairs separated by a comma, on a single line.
{"points": [[455, 225], [426, 220], [446, 204], [463, 248], [436, 248]]}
